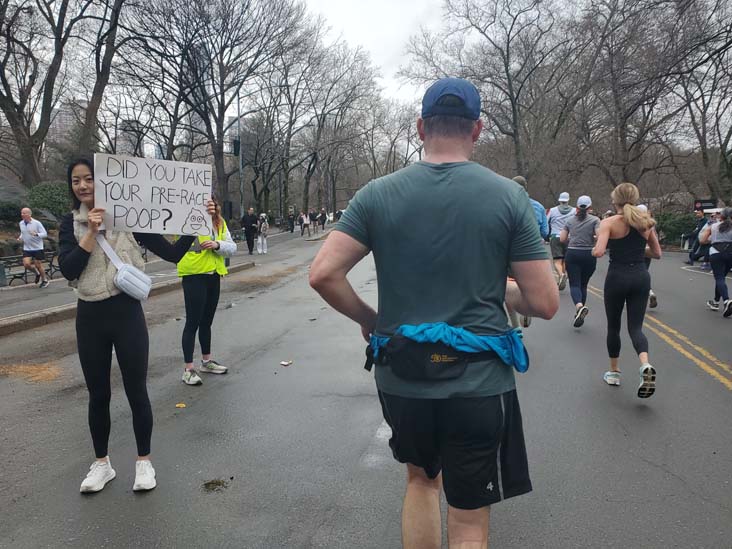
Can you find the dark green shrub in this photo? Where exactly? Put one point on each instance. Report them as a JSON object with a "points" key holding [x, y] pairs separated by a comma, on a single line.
{"points": [[9, 213], [672, 225], [53, 197]]}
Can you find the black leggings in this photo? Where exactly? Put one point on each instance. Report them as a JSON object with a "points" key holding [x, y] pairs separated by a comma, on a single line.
{"points": [[626, 284], [721, 266], [201, 294], [120, 323], [580, 267]]}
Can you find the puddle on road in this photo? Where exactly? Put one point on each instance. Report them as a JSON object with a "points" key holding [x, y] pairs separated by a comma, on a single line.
{"points": [[216, 485], [35, 373]]}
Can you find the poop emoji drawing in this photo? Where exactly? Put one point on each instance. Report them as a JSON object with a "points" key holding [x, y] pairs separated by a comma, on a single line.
{"points": [[197, 223]]}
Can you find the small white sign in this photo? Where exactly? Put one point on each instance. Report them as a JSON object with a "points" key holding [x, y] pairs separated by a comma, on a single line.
{"points": [[145, 195]]}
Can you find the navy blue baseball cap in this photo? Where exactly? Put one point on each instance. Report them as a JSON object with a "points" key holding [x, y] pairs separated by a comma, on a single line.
{"points": [[467, 107]]}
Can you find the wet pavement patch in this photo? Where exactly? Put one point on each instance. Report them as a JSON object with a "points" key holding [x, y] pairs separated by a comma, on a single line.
{"points": [[35, 373], [216, 485]]}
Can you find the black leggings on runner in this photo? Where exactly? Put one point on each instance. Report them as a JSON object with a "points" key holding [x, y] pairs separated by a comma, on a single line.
{"points": [[117, 322], [201, 294], [580, 267], [626, 284], [721, 266]]}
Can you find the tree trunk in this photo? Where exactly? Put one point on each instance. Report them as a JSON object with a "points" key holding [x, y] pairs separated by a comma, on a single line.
{"points": [[306, 183]]}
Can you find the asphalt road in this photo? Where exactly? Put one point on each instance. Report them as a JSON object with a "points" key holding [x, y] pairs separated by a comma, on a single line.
{"points": [[298, 455]]}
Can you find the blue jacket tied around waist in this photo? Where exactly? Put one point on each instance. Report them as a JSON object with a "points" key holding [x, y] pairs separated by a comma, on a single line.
{"points": [[508, 346]]}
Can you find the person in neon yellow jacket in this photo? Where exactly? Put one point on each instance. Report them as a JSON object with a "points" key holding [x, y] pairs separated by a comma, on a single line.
{"points": [[201, 270]]}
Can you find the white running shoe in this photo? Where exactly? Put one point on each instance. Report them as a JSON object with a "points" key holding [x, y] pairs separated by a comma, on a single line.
{"points": [[100, 473], [727, 309], [213, 367], [579, 317], [612, 378], [144, 476], [712, 305], [191, 377], [647, 381], [652, 300]]}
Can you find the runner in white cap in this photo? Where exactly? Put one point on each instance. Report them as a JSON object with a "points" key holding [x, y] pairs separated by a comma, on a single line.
{"points": [[558, 217]]}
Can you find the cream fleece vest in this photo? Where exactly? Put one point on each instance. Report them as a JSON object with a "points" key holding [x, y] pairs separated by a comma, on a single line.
{"points": [[97, 280]]}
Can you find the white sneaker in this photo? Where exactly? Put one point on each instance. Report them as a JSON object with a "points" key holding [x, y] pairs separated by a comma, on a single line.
{"points": [[563, 281], [100, 473], [191, 377], [652, 300], [144, 476], [213, 367], [647, 381], [727, 309]]}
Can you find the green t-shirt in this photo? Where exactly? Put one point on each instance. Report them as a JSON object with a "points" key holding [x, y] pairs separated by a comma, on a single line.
{"points": [[443, 237]]}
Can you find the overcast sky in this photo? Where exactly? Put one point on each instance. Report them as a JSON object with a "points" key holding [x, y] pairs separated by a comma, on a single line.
{"points": [[383, 28]]}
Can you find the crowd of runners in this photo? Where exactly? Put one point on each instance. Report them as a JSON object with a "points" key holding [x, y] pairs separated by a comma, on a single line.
{"points": [[444, 413]]}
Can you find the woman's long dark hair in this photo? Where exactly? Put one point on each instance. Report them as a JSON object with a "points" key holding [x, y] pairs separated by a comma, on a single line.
{"points": [[727, 220], [581, 213], [89, 163]]}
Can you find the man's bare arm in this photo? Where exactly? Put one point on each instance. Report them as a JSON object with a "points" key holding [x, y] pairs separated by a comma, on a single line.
{"points": [[535, 291], [328, 273]]}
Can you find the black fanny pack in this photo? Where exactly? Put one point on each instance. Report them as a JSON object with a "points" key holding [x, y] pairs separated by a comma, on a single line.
{"points": [[416, 361], [723, 247]]}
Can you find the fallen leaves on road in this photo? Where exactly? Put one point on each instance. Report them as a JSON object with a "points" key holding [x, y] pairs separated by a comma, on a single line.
{"points": [[180, 405], [285, 363], [36, 373]]}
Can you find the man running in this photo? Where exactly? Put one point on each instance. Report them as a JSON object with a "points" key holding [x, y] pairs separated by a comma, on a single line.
{"points": [[436, 280], [32, 234], [694, 244], [557, 219]]}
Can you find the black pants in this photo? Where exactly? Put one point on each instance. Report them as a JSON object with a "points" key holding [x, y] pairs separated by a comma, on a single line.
{"points": [[201, 294], [626, 285], [721, 266], [250, 240], [580, 267], [120, 323]]}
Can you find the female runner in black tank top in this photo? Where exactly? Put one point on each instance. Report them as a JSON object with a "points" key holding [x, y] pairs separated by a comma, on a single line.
{"points": [[630, 238]]}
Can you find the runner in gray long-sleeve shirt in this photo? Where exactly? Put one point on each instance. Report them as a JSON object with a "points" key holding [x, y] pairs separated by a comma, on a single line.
{"points": [[31, 235]]}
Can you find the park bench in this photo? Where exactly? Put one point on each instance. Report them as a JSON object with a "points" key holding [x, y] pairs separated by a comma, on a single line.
{"points": [[13, 269]]}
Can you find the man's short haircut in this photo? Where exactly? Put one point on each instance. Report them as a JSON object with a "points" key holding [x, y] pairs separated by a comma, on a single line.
{"points": [[448, 126], [521, 180]]}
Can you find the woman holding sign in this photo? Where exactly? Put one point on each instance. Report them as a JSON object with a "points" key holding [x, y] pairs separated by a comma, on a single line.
{"points": [[107, 317], [201, 270]]}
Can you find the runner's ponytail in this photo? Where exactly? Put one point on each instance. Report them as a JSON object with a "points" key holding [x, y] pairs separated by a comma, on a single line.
{"points": [[626, 196]]}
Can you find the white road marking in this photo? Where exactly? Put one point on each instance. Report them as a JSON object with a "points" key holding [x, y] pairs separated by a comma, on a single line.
{"points": [[378, 453]]}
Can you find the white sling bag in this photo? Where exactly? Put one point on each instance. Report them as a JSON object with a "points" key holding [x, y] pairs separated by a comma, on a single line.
{"points": [[129, 279]]}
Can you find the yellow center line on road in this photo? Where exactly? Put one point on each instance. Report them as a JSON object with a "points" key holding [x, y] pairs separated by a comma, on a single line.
{"points": [[667, 334]]}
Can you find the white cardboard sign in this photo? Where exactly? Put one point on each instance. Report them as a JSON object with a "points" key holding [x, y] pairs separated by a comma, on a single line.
{"points": [[145, 195]]}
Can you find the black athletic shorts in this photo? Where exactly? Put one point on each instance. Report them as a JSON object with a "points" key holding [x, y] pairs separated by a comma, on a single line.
{"points": [[35, 254], [477, 443], [557, 248]]}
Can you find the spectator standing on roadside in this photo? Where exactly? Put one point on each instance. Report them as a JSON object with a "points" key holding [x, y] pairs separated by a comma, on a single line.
{"points": [[462, 433], [323, 218], [249, 224], [291, 221], [305, 216], [314, 221], [201, 270], [262, 231], [107, 318], [539, 210], [557, 219], [31, 235]]}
